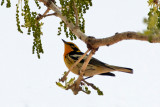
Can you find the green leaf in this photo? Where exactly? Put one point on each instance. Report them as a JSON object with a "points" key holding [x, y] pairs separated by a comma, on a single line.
{"points": [[2, 2], [87, 90], [99, 92], [71, 81], [60, 85], [8, 5]]}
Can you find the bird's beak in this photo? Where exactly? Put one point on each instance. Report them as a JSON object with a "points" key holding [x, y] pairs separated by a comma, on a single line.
{"points": [[64, 41]]}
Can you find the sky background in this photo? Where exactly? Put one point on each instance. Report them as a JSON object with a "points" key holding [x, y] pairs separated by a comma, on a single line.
{"points": [[26, 81]]}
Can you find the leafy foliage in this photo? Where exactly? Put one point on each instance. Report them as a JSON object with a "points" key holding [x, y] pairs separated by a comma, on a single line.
{"points": [[31, 24], [66, 84], [37, 3], [74, 10], [153, 21], [17, 19], [69, 83], [8, 4]]}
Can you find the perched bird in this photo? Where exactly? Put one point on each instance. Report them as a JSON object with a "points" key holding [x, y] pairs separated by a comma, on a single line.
{"points": [[94, 67]]}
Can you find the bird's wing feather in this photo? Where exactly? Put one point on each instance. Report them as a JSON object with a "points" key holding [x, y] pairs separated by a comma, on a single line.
{"points": [[108, 74], [76, 55], [103, 74], [93, 61]]}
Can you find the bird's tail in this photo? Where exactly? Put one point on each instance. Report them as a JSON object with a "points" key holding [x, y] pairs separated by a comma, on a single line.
{"points": [[122, 69]]}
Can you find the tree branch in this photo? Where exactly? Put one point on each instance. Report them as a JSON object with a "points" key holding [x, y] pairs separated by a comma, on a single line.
{"points": [[71, 26], [94, 43], [121, 36]]}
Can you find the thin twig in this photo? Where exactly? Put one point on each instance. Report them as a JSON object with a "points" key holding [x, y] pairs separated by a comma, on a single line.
{"points": [[90, 84], [50, 14], [84, 67], [70, 69], [41, 16]]}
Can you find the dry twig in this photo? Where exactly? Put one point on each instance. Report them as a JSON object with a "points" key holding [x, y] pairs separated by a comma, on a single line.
{"points": [[41, 16]]}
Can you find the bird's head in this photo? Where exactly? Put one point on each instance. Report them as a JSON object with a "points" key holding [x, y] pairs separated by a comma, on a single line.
{"points": [[70, 47]]}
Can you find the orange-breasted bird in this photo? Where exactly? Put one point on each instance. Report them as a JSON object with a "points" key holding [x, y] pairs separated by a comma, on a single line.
{"points": [[95, 67]]}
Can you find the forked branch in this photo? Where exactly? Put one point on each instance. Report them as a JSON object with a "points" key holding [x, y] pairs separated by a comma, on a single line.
{"points": [[95, 43], [44, 14], [76, 86]]}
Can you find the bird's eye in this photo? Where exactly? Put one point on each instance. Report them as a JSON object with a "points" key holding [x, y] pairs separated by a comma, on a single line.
{"points": [[72, 46]]}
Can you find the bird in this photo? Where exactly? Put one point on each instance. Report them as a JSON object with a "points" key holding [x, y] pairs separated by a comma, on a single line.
{"points": [[95, 67]]}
